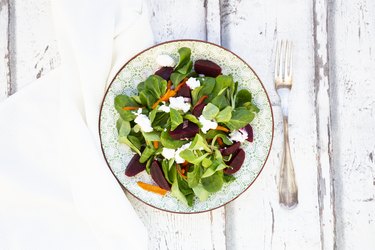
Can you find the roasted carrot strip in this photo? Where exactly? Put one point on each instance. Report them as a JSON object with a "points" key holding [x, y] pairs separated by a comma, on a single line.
{"points": [[221, 128], [220, 141], [170, 93], [132, 108], [180, 172], [152, 188], [201, 100], [156, 144]]}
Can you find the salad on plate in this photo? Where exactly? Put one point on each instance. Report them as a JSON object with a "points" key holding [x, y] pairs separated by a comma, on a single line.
{"points": [[186, 126]]}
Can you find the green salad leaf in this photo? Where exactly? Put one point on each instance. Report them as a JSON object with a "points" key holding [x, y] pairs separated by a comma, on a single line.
{"points": [[214, 182], [201, 192], [194, 176], [210, 111], [176, 119], [122, 101], [185, 54], [147, 153], [224, 115], [189, 156], [240, 118]]}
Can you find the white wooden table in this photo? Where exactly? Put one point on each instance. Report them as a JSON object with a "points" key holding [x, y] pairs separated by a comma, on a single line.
{"points": [[331, 115]]}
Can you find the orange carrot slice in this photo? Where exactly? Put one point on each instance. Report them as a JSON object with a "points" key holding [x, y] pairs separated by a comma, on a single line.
{"points": [[221, 128], [152, 188], [170, 93], [132, 108], [220, 141], [179, 170], [201, 100], [156, 144]]}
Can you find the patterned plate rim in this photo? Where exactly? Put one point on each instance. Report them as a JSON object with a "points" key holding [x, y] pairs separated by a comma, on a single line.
{"points": [[173, 41]]}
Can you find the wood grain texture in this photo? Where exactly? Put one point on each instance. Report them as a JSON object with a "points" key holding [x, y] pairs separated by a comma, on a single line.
{"points": [[326, 195], [177, 20], [33, 45], [255, 220], [4, 50], [353, 72]]}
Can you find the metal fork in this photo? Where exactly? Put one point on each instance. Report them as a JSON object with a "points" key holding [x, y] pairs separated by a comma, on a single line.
{"points": [[288, 192]]}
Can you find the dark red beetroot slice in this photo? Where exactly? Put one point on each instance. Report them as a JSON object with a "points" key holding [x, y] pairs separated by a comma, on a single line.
{"points": [[164, 72], [184, 91], [231, 149], [207, 67], [249, 130], [198, 109], [185, 130], [158, 176], [134, 167], [236, 162]]}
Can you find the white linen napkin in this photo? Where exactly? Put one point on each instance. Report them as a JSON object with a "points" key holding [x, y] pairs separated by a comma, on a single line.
{"points": [[55, 187]]}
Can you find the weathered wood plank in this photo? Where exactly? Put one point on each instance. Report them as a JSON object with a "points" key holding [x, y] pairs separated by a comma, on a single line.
{"points": [[4, 51], [326, 196], [175, 231], [255, 220], [353, 119], [176, 19], [33, 46]]}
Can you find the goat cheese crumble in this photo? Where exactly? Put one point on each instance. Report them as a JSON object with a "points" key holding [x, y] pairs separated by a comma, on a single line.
{"points": [[178, 103], [193, 83], [239, 135], [143, 121], [207, 124], [165, 61], [168, 153]]}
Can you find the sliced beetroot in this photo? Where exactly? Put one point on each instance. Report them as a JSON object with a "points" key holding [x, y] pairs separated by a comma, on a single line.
{"points": [[236, 162], [158, 176], [250, 134], [134, 167], [198, 109], [207, 67], [184, 91], [185, 130], [164, 72], [231, 149]]}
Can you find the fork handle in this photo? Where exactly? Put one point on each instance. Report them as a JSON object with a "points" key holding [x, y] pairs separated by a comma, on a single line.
{"points": [[288, 192]]}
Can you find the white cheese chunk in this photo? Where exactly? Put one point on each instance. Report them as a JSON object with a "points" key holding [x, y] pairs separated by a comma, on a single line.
{"points": [[165, 108], [238, 135], [165, 61], [178, 103], [143, 121], [168, 153], [207, 124], [193, 83]]}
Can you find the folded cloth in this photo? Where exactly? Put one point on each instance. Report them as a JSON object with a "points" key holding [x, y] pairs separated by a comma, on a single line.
{"points": [[55, 187]]}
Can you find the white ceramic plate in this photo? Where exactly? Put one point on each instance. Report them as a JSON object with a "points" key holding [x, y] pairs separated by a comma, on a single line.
{"points": [[137, 70]]}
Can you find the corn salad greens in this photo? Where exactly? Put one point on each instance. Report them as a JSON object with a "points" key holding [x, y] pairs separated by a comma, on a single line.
{"points": [[186, 127]]}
